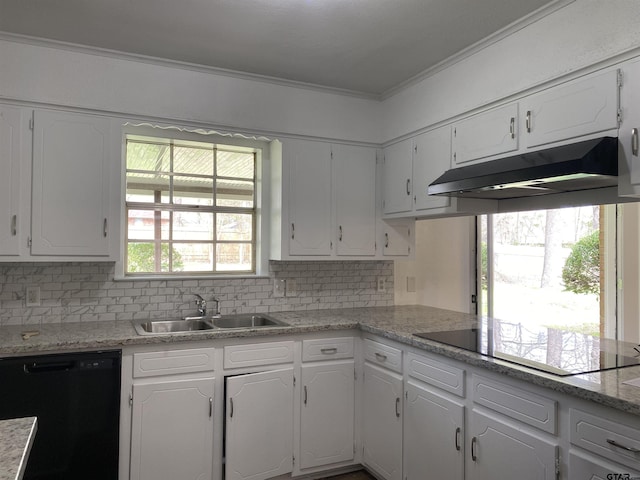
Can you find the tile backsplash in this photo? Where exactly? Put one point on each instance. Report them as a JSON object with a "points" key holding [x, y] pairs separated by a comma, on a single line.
{"points": [[75, 292]]}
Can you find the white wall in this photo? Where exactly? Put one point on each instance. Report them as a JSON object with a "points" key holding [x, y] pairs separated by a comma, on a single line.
{"points": [[576, 36], [442, 267], [35, 73]]}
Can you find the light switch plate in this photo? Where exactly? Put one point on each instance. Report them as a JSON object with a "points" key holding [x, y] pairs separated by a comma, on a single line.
{"points": [[381, 285], [411, 284], [32, 297], [292, 287]]}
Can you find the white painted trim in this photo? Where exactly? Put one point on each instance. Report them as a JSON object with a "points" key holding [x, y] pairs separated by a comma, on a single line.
{"points": [[164, 62], [478, 46]]}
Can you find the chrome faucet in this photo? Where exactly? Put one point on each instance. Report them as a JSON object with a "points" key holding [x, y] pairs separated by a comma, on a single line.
{"points": [[202, 305]]}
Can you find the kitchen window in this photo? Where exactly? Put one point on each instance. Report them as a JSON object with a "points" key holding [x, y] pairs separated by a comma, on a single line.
{"points": [[190, 207]]}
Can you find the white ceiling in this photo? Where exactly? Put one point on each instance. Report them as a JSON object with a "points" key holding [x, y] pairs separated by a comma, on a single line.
{"points": [[368, 46]]}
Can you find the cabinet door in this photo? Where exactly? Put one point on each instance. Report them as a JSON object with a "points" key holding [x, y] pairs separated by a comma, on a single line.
{"points": [[172, 430], [382, 422], [433, 435], [354, 179], [489, 133], [396, 239], [259, 425], [71, 154], [309, 200], [583, 466], [573, 110], [396, 178], [431, 158], [629, 146], [11, 157], [327, 414], [501, 450]]}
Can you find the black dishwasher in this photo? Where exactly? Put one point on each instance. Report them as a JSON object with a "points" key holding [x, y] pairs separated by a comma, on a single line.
{"points": [[76, 397]]}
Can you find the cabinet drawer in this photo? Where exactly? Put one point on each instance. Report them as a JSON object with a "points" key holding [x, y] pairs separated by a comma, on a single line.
{"points": [[383, 355], [522, 405], [256, 354], [327, 349], [587, 467], [438, 374], [152, 364], [610, 439]]}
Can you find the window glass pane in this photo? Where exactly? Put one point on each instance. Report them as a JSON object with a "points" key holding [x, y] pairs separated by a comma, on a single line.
{"points": [[193, 257], [147, 225], [193, 226], [234, 193], [233, 257], [147, 188], [192, 191], [147, 257], [234, 164], [148, 156], [234, 226], [198, 161]]}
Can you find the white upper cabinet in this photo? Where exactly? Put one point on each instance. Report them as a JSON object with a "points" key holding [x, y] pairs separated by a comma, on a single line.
{"points": [[629, 147], [323, 201], [309, 197], [486, 134], [354, 179], [431, 158], [397, 176], [575, 109], [12, 163], [71, 157]]}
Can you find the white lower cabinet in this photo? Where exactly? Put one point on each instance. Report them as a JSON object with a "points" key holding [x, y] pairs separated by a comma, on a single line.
{"points": [[327, 414], [382, 422], [172, 430], [259, 425], [501, 449], [433, 435], [588, 467]]}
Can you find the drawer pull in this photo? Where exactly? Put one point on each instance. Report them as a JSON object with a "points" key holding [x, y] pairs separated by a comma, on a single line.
{"points": [[457, 438], [623, 447], [329, 351], [381, 357]]}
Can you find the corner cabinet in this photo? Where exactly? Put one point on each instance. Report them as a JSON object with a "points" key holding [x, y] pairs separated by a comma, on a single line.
{"points": [[60, 187], [323, 201]]}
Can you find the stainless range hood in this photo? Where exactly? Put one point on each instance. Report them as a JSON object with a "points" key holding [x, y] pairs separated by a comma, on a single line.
{"points": [[584, 165]]}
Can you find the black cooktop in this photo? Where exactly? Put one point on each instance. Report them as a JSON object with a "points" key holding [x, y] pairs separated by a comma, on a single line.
{"points": [[550, 350]]}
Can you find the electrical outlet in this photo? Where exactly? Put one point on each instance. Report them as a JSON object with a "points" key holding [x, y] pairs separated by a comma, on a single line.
{"points": [[411, 284], [32, 297], [381, 285], [292, 287], [279, 287]]}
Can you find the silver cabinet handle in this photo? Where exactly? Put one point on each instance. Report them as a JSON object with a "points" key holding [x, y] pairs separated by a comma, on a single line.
{"points": [[474, 440], [528, 121], [210, 407], [14, 225], [305, 394], [457, 438], [398, 407], [408, 186], [340, 235], [381, 357], [293, 231], [623, 447], [634, 142], [386, 240], [104, 228], [231, 408], [512, 127], [329, 351]]}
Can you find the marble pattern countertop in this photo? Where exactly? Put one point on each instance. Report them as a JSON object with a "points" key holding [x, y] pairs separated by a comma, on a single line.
{"points": [[16, 438], [395, 323]]}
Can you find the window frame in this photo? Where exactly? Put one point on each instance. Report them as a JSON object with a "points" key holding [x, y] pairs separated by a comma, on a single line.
{"points": [[261, 233]]}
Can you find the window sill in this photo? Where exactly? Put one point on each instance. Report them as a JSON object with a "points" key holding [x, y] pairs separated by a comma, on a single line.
{"points": [[131, 278]]}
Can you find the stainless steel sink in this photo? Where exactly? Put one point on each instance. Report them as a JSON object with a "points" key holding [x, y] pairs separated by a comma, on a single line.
{"points": [[154, 327], [247, 320]]}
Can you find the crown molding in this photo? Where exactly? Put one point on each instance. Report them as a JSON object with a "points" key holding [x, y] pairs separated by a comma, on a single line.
{"points": [[478, 46], [134, 57]]}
